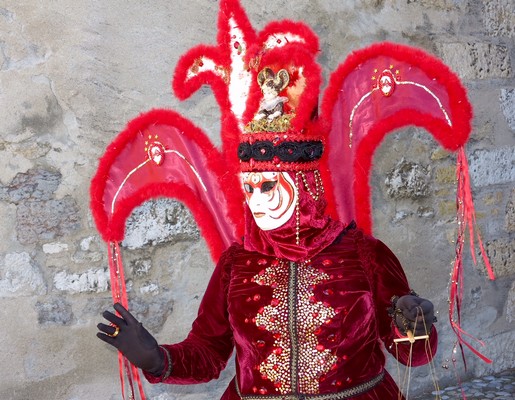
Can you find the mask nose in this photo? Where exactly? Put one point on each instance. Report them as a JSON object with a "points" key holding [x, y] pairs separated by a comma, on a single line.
{"points": [[257, 198]]}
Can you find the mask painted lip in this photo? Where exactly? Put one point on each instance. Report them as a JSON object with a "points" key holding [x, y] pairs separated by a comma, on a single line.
{"points": [[259, 214]]}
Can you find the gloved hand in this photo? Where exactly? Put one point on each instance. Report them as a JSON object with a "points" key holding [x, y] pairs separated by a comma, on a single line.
{"points": [[133, 340], [415, 314]]}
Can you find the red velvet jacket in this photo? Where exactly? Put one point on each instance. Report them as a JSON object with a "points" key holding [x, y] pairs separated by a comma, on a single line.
{"points": [[314, 327]]}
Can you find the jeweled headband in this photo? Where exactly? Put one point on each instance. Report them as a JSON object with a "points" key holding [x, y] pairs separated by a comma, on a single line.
{"points": [[279, 152]]}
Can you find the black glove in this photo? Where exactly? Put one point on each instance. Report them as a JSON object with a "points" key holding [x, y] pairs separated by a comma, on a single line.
{"points": [[414, 313], [129, 336]]}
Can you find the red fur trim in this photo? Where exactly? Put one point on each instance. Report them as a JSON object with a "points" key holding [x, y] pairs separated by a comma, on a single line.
{"points": [[184, 87], [182, 193], [460, 113], [220, 53], [230, 180], [111, 227], [233, 8], [280, 28], [461, 110], [365, 152]]}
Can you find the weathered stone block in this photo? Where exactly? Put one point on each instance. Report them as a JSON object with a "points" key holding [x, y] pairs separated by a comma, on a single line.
{"points": [[153, 311], [445, 175], [140, 267], [499, 17], [447, 5], [507, 99], [492, 167], [85, 244], [407, 180], [46, 220], [501, 253], [36, 184], [510, 304], [509, 221], [401, 215], [48, 357], [447, 208], [159, 221], [425, 212], [12, 164], [57, 311], [93, 280], [484, 131], [493, 199], [94, 306], [439, 154], [90, 250], [54, 248], [37, 109], [477, 60], [7, 233], [149, 288], [19, 276]]}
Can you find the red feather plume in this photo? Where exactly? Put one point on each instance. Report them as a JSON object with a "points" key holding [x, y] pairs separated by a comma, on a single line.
{"points": [[423, 92]]}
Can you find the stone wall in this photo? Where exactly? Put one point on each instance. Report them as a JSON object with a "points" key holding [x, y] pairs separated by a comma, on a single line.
{"points": [[72, 73]]}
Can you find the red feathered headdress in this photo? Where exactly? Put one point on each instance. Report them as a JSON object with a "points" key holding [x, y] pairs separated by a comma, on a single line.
{"points": [[374, 91]]}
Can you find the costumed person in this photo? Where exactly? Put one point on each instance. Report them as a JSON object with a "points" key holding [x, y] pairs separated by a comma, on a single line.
{"points": [[308, 300], [304, 301]]}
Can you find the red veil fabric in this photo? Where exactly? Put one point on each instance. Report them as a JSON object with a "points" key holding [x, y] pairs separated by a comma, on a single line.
{"points": [[317, 229]]}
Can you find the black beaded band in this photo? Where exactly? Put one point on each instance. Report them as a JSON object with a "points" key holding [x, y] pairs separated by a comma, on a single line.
{"points": [[290, 151], [168, 362]]}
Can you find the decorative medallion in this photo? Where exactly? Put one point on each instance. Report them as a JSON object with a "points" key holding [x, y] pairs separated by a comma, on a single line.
{"points": [[386, 82], [155, 150]]}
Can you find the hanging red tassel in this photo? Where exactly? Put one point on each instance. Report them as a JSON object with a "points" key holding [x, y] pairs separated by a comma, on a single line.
{"points": [[469, 213], [128, 372], [466, 217]]}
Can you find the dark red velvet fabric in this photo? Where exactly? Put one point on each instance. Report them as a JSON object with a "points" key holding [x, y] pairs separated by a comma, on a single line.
{"points": [[317, 230], [360, 275]]}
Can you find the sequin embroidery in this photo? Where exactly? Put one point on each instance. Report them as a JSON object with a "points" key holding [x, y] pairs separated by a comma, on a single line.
{"points": [[295, 309]]}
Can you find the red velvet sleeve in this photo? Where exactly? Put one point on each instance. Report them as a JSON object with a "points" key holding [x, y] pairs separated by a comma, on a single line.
{"points": [[389, 280], [205, 352]]}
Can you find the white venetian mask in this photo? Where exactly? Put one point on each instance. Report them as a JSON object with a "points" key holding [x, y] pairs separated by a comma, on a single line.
{"points": [[271, 197]]}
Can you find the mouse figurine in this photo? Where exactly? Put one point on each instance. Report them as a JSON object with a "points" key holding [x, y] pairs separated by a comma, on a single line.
{"points": [[272, 105]]}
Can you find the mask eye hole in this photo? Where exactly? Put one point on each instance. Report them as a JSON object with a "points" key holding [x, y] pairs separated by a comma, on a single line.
{"points": [[248, 188], [268, 186]]}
